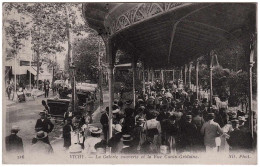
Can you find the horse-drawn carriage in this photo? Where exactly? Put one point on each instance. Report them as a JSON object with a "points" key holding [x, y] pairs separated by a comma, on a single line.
{"points": [[58, 106]]}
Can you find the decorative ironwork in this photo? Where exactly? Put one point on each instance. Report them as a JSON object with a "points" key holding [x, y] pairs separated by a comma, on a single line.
{"points": [[141, 12]]}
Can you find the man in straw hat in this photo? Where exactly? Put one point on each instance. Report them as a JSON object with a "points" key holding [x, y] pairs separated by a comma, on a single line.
{"points": [[41, 147], [14, 144]]}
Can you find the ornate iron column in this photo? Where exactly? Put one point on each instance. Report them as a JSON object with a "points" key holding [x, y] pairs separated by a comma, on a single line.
{"points": [[173, 75], [251, 64], [185, 71], [152, 70], [134, 75], [190, 66], [197, 79], [110, 69], [181, 74], [162, 74], [143, 78], [210, 76]]}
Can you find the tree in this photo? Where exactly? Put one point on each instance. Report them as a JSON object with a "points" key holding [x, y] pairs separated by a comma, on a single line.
{"points": [[50, 23], [86, 58]]}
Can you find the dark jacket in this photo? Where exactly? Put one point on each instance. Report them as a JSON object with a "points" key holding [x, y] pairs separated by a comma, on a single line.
{"points": [[14, 144], [67, 135], [104, 119], [189, 134], [45, 125], [114, 143], [240, 140]]}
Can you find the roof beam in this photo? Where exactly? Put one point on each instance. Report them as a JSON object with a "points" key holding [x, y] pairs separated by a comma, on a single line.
{"points": [[192, 37], [207, 25], [176, 24]]}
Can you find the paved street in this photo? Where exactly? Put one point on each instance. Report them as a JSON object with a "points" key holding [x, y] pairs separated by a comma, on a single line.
{"points": [[25, 115]]}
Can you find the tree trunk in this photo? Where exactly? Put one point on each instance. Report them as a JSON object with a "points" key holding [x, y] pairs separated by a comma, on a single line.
{"points": [[38, 68], [70, 61]]}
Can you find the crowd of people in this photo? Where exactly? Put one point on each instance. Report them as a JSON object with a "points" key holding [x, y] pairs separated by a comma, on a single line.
{"points": [[168, 119], [163, 119]]}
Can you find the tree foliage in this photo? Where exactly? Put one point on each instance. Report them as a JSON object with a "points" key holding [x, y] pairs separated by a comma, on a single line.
{"points": [[16, 33], [85, 55], [49, 23]]}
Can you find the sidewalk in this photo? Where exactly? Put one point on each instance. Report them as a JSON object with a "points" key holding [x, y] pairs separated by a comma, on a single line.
{"points": [[13, 102]]}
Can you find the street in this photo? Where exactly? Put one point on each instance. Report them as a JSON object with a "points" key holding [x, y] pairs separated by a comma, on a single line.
{"points": [[25, 115]]}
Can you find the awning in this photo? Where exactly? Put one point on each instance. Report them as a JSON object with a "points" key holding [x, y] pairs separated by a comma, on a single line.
{"points": [[20, 70], [32, 70]]}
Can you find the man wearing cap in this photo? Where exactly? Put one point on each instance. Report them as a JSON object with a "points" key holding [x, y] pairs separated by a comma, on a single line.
{"points": [[188, 134], [211, 130], [44, 124], [41, 147], [239, 139], [14, 144], [128, 107]]}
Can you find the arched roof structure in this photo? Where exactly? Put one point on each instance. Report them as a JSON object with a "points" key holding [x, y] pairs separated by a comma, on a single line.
{"points": [[169, 34]]}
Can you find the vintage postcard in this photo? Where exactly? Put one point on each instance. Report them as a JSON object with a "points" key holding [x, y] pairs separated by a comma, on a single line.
{"points": [[129, 83]]}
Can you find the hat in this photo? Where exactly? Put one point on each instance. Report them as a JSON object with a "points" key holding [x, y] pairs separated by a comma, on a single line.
{"points": [[211, 115], [115, 111], [235, 121], [140, 100], [116, 102], [117, 127], [128, 102], [114, 107], [15, 128], [95, 130], [41, 135], [162, 89], [42, 112], [188, 116], [241, 118], [126, 138], [154, 113], [151, 97], [75, 148]]}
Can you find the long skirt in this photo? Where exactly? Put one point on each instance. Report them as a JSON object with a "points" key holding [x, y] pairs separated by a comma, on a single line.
{"points": [[67, 141]]}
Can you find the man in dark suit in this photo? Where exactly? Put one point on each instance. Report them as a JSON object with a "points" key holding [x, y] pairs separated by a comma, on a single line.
{"points": [[104, 121], [44, 124], [14, 144], [239, 140], [188, 134]]}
